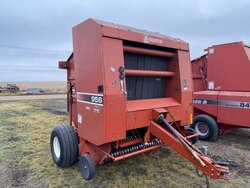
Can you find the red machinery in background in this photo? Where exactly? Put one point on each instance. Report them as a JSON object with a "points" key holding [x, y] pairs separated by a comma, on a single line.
{"points": [[129, 92], [222, 89]]}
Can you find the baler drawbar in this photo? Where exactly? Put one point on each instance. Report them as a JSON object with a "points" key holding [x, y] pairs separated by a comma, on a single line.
{"points": [[129, 92], [181, 145]]}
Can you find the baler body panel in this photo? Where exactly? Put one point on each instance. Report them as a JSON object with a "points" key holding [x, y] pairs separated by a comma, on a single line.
{"points": [[186, 86], [228, 67], [114, 100], [236, 102], [100, 49], [132, 34], [201, 100], [140, 111], [87, 47], [221, 84]]}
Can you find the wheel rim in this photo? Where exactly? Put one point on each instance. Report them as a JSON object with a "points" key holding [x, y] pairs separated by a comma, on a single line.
{"points": [[56, 147], [85, 170], [202, 128]]}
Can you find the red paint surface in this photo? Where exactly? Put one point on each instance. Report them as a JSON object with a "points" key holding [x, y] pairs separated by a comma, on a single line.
{"points": [[227, 65], [98, 52]]}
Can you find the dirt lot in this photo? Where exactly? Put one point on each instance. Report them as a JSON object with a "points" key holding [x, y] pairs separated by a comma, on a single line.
{"points": [[25, 159]]}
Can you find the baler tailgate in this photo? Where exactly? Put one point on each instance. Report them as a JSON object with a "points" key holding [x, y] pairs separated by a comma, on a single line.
{"points": [[210, 169]]}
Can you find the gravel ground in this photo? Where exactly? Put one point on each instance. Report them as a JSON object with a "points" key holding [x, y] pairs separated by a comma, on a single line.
{"points": [[234, 148]]}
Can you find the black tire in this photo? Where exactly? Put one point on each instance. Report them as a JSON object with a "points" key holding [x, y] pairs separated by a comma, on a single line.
{"points": [[205, 126], [64, 137], [87, 167], [192, 131]]}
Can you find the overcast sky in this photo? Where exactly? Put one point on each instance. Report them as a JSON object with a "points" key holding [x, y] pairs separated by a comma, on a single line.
{"points": [[35, 35]]}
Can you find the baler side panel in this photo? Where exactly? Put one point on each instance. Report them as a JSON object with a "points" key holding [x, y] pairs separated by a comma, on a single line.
{"points": [[89, 75], [228, 67], [201, 100], [174, 86], [115, 105], [234, 108], [186, 83]]}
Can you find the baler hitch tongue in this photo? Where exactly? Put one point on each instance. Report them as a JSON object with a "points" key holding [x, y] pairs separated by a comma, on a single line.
{"points": [[172, 138], [173, 131]]}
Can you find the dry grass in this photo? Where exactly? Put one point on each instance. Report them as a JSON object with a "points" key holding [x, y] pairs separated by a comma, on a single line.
{"points": [[25, 132]]}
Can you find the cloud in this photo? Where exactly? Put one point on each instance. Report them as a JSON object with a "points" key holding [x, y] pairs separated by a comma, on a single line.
{"points": [[47, 25]]}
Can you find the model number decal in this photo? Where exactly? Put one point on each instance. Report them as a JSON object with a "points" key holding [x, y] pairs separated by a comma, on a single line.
{"points": [[96, 99], [233, 104], [200, 101], [245, 105], [90, 98]]}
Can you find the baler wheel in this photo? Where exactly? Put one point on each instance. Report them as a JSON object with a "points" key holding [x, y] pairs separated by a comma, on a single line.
{"points": [[64, 146], [205, 126], [87, 167]]}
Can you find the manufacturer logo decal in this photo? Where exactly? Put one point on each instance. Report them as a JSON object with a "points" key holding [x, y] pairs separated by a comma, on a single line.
{"points": [[148, 39]]}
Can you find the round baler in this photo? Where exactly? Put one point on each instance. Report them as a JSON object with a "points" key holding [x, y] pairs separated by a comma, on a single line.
{"points": [[129, 92]]}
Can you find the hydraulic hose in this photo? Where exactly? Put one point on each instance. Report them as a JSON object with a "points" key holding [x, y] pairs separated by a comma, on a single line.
{"points": [[173, 131]]}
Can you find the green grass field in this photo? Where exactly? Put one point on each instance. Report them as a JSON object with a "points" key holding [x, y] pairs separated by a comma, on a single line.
{"points": [[25, 129]]}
